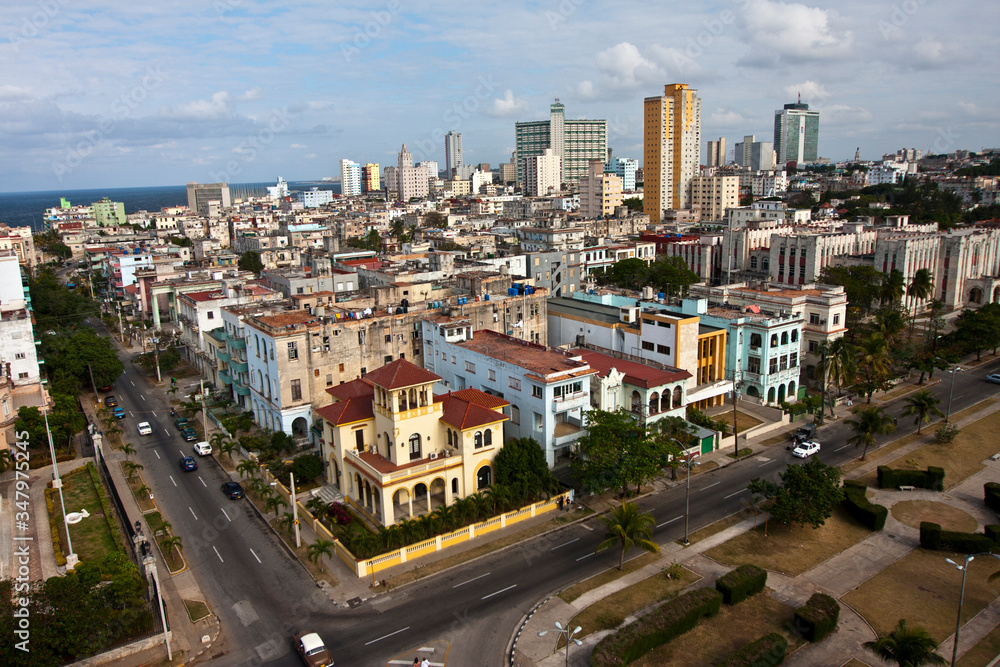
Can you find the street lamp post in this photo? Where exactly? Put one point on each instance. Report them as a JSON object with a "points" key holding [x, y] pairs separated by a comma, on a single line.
{"points": [[688, 463], [568, 634], [961, 597], [951, 394]]}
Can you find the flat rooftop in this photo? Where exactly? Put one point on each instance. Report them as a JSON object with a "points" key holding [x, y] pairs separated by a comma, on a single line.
{"points": [[537, 359]]}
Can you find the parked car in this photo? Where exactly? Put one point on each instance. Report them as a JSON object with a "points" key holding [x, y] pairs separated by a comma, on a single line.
{"points": [[805, 432], [188, 464], [119, 413], [189, 434], [105, 389], [181, 423], [233, 490], [311, 649], [994, 378], [145, 428], [202, 448], [110, 401], [804, 449]]}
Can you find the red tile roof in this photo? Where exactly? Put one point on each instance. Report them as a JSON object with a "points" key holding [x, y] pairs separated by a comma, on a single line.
{"points": [[353, 389], [478, 397], [399, 374], [636, 374], [463, 414]]}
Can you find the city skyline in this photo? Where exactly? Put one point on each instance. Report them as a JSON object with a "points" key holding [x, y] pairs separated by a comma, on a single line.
{"points": [[243, 92]]}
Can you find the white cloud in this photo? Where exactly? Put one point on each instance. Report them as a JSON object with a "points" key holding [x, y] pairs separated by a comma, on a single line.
{"points": [[198, 110], [811, 92], [625, 67], [508, 105], [585, 90], [252, 94], [10, 93], [776, 30], [842, 114], [724, 118], [297, 146]]}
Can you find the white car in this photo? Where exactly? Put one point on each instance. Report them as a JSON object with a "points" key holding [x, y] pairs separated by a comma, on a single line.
{"points": [[804, 449], [145, 428], [993, 378], [202, 448]]}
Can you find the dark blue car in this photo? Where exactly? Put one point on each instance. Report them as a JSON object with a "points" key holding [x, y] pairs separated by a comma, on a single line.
{"points": [[188, 464]]}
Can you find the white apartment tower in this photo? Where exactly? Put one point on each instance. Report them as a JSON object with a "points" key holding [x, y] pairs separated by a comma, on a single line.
{"points": [[350, 178], [452, 153], [671, 149], [542, 173]]}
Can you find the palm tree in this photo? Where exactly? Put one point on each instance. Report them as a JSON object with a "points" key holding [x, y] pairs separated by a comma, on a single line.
{"points": [[874, 364], [128, 450], [6, 460], [907, 647], [132, 468], [217, 439], [629, 528], [170, 543], [448, 516], [924, 405], [247, 468], [921, 288], [274, 503], [286, 521], [891, 289], [890, 324], [871, 421], [319, 549], [841, 362], [142, 491], [465, 509]]}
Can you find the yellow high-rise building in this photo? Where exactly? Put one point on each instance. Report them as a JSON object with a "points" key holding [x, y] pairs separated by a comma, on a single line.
{"points": [[671, 149]]}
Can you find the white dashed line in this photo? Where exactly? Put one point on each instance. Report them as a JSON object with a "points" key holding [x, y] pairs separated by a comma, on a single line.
{"points": [[735, 494], [709, 486], [203, 482], [562, 545], [157, 454], [219, 555], [255, 556], [504, 590], [471, 580], [386, 636], [224, 512], [193, 514], [661, 525], [582, 557], [172, 480]]}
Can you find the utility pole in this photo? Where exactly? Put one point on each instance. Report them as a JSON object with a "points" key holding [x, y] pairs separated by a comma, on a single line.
{"points": [[822, 384], [92, 385], [204, 413], [156, 356], [295, 511], [736, 430]]}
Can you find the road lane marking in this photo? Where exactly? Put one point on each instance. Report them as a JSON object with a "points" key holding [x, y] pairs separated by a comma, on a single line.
{"points": [[587, 556], [172, 479], [735, 494], [224, 512], [166, 431], [839, 448], [767, 464], [661, 525], [153, 413], [255, 556], [562, 545], [132, 383], [471, 580], [709, 486], [218, 554], [583, 525], [192, 513], [498, 592], [157, 454], [387, 636], [181, 452], [203, 482], [142, 397]]}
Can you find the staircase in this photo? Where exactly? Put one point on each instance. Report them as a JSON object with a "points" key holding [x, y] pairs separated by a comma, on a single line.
{"points": [[329, 494]]}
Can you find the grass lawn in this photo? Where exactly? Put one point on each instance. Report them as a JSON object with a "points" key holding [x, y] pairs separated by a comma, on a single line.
{"points": [[196, 610], [613, 610], [985, 650], [961, 458], [791, 550], [155, 522], [598, 580], [92, 537], [912, 512], [743, 420], [714, 639], [173, 559], [922, 588], [877, 454]]}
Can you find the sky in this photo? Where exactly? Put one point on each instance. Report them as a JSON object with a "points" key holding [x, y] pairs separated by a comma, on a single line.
{"points": [[109, 93]]}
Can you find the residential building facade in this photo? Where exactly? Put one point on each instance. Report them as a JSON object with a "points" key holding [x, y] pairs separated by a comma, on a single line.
{"points": [[671, 149]]}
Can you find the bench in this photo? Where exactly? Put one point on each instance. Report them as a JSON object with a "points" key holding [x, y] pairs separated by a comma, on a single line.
{"points": [[907, 488]]}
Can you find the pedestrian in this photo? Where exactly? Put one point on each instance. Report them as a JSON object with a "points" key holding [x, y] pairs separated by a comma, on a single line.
{"points": [[850, 402], [416, 662], [895, 421], [425, 663]]}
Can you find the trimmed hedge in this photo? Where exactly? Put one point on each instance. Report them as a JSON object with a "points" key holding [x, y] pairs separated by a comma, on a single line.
{"points": [[932, 537], [817, 617], [991, 491], [741, 583], [891, 478], [54, 527], [768, 651], [856, 503], [669, 620]]}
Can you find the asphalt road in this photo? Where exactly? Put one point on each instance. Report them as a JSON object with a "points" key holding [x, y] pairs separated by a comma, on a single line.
{"points": [[262, 595]]}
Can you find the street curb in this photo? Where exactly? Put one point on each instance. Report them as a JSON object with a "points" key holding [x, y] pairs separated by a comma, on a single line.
{"points": [[207, 646], [512, 644]]}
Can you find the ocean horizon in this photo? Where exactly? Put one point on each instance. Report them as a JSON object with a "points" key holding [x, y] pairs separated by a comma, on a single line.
{"points": [[20, 209]]}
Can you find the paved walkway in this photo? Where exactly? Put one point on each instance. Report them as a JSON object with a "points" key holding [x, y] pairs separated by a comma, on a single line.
{"points": [[836, 576]]}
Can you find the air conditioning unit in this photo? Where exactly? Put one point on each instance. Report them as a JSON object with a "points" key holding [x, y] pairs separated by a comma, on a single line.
{"points": [[434, 455]]}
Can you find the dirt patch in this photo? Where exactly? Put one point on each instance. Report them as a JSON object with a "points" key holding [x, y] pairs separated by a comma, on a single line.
{"points": [[715, 639], [791, 550], [923, 588], [985, 650], [743, 420], [598, 580], [720, 525], [912, 512]]}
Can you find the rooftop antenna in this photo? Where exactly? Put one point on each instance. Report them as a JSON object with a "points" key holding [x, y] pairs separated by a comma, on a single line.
{"points": [[800, 98]]}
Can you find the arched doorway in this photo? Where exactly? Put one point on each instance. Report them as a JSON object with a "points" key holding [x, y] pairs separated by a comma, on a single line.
{"points": [[438, 498], [781, 393], [975, 295], [421, 500], [996, 295], [300, 427], [402, 503], [654, 403], [753, 391], [334, 477], [484, 478], [791, 391], [770, 395]]}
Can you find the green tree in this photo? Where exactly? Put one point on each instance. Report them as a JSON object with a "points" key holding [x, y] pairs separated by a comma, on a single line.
{"points": [[617, 452], [633, 204], [870, 421], [132, 469], [307, 467], [628, 527], [286, 521], [672, 276], [891, 288], [906, 647], [924, 405], [248, 468], [320, 548], [168, 544], [920, 289], [250, 261], [128, 450], [6, 460], [806, 496], [55, 306], [522, 461], [275, 503], [874, 366]]}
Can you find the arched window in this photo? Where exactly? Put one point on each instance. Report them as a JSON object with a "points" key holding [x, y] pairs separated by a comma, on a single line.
{"points": [[795, 335], [413, 398], [484, 478], [755, 340], [636, 402], [774, 340], [654, 403], [415, 447], [488, 437], [766, 264], [784, 338], [478, 439], [449, 438], [678, 397], [402, 400]]}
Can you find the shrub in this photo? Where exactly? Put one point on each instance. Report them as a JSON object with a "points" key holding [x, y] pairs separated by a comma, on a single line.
{"points": [[946, 433], [817, 617], [54, 527], [991, 492], [669, 620], [891, 478], [932, 537], [741, 583], [856, 503], [307, 467], [339, 514], [767, 651], [993, 532]]}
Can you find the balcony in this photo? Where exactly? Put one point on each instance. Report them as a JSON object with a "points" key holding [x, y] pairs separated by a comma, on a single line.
{"points": [[236, 367], [224, 378], [241, 390], [224, 357], [577, 399], [566, 433], [237, 343]]}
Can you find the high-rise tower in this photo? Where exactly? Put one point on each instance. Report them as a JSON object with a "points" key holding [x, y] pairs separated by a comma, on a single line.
{"points": [[671, 148], [796, 133], [452, 153]]}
